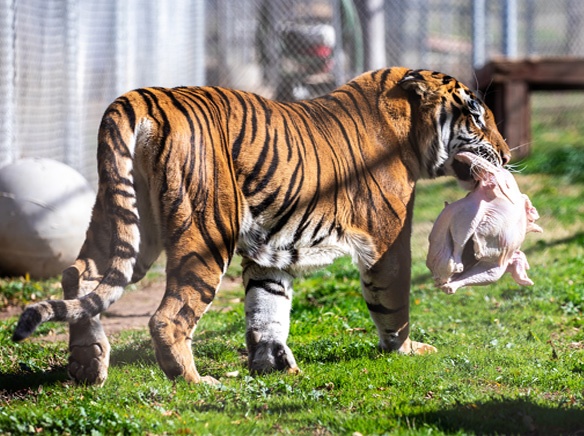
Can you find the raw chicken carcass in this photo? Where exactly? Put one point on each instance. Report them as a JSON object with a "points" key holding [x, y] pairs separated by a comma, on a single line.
{"points": [[476, 239]]}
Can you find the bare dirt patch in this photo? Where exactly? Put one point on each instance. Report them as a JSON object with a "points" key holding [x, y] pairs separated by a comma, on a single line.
{"points": [[134, 309]]}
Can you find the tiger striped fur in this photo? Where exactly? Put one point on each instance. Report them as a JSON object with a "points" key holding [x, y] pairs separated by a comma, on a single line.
{"points": [[201, 172]]}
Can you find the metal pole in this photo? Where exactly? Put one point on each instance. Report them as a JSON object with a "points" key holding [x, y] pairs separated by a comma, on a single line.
{"points": [[371, 13], [575, 32], [8, 148], [510, 28], [422, 33], [338, 70], [199, 42], [73, 145], [478, 33], [529, 29]]}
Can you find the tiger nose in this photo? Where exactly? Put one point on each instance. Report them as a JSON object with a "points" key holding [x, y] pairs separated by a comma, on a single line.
{"points": [[505, 157]]}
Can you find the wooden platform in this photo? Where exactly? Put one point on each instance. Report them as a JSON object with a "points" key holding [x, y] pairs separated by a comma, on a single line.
{"points": [[506, 86]]}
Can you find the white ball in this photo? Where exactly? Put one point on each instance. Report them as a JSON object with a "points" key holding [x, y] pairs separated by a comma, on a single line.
{"points": [[45, 208]]}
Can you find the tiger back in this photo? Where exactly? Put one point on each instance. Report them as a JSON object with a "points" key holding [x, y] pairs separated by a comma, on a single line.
{"points": [[203, 172]]}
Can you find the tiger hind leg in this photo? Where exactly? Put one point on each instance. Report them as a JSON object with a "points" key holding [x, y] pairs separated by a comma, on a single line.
{"points": [[89, 348], [268, 300], [189, 293], [197, 257]]}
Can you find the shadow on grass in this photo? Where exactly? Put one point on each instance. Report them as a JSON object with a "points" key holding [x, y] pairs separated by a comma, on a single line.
{"points": [[134, 352], [29, 383], [505, 417], [577, 238], [420, 279]]}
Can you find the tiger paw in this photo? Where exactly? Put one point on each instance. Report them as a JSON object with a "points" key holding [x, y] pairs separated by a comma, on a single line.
{"points": [[268, 356], [88, 364]]}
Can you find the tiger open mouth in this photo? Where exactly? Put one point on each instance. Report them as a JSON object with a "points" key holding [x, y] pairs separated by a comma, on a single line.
{"points": [[462, 170], [462, 167]]}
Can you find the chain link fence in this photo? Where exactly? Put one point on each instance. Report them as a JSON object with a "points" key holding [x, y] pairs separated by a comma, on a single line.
{"points": [[251, 43], [63, 61]]}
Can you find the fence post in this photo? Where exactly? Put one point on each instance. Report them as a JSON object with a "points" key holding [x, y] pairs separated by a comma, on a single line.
{"points": [[575, 32], [372, 17], [8, 152], [529, 30], [72, 146], [510, 28], [478, 33], [199, 21]]}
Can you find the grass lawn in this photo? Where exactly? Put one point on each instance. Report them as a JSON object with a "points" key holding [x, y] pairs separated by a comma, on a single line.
{"points": [[510, 359]]}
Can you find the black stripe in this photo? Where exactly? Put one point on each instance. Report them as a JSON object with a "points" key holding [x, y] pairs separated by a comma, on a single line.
{"points": [[28, 322], [255, 175], [236, 145], [187, 313], [178, 232], [414, 101], [192, 280], [381, 309], [122, 214], [282, 221], [130, 113], [287, 135], [59, 309], [122, 249], [114, 278], [371, 287], [384, 74], [359, 90], [92, 304], [149, 95], [203, 229], [273, 287], [289, 197], [265, 203]]}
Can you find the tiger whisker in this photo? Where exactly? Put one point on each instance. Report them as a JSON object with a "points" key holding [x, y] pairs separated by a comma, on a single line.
{"points": [[516, 167], [525, 144]]}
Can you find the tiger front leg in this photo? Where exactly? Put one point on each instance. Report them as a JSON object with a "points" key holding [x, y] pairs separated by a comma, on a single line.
{"points": [[386, 289], [388, 305], [268, 300]]}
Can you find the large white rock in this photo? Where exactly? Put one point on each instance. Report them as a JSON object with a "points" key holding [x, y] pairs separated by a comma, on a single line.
{"points": [[45, 208]]}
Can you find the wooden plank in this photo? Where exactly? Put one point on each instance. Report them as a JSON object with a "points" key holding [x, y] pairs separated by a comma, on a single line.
{"points": [[516, 118], [507, 84], [548, 73]]}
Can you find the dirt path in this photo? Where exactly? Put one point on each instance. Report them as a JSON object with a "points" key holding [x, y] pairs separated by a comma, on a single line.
{"points": [[134, 309]]}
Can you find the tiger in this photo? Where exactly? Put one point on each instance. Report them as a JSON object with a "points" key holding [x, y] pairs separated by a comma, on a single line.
{"points": [[205, 173]]}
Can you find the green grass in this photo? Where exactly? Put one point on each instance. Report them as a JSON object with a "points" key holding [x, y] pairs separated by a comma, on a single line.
{"points": [[510, 360], [14, 291]]}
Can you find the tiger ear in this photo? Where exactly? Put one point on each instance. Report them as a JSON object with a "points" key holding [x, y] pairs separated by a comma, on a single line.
{"points": [[414, 81]]}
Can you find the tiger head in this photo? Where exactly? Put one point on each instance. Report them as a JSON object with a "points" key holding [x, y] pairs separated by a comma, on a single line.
{"points": [[454, 120]]}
